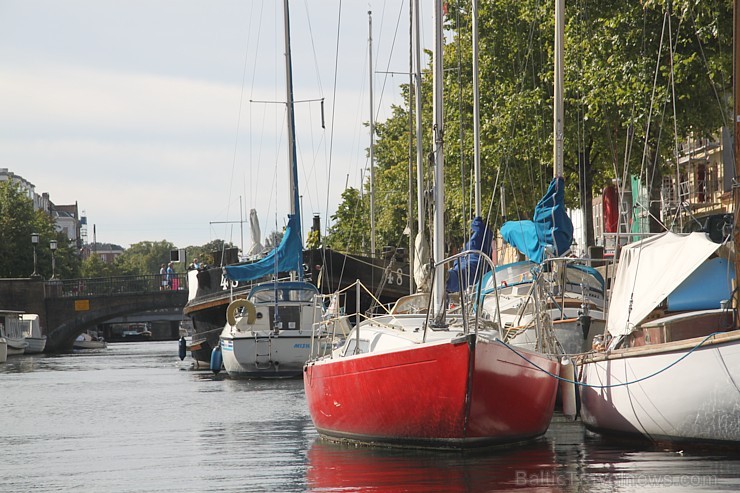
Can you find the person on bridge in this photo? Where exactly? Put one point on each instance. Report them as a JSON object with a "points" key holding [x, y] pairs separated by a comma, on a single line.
{"points": [[162, 275], [170, 275]]}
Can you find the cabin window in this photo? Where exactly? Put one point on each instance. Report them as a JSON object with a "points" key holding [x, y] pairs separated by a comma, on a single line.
{"points": [[352, 345]]}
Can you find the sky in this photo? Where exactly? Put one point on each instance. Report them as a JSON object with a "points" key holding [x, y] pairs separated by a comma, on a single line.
{"points": [[165, 119]]}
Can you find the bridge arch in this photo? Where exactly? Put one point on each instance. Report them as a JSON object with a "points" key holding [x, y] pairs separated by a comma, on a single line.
{"points": [[69, 317], [68, 307]]}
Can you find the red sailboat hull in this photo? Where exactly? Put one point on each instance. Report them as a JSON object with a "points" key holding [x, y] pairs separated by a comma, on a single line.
{"points": [[468, 392]]}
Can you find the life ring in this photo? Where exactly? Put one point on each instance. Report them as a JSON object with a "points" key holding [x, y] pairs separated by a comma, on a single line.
{"points": [[235, 305]]}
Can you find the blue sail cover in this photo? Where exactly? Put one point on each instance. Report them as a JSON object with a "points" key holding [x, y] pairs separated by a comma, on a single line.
{"points": [[469, 268], [289, 257], [550, 229]]}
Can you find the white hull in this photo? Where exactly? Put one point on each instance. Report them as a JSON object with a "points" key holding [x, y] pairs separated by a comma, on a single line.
{"points": [[277, 356], [35, 345], [16, 346], [87, 341], [31, 329], [697, 399], [268, 339]]}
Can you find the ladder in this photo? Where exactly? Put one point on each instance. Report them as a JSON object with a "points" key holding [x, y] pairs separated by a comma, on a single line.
{"points": [[262, 351]]}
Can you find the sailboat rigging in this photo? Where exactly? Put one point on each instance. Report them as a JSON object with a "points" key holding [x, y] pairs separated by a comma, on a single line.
{"points": [[358, 390], [267, 334]]}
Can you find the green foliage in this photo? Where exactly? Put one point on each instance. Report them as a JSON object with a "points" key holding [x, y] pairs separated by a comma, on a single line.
{"points": [[146, 257], [617, 108], [18, 221], [207, 253], [314, 240], [349, 231], [94, 266], [16, 225]]}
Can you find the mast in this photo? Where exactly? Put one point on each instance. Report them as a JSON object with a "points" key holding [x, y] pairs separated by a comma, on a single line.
{"points": [[290, 104], [476, 113], [736, 149], [439, 186], [419, 136], [558, 96], [372, 135]]}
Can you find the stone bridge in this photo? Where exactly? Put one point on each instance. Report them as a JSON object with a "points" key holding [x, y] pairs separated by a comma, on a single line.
{"points": [[69, 307]]}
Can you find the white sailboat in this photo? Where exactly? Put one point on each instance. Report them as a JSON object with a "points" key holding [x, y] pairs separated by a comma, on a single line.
{"points": [[665, 374], [670, 368], [268, 333]]}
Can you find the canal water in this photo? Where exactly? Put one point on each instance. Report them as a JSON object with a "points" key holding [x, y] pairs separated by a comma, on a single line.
{"points": [[133, 418]]}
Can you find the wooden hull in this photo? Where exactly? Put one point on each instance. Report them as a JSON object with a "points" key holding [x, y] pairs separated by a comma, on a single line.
{"points": [[458, 393], [697, 399], [331, 271]]}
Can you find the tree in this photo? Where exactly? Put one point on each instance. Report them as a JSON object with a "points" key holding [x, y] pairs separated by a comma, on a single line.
{"points": [[94, 266], [613, 96], [208, 253], [18, 221], [16, 225], [145, 258], [348, 231]]}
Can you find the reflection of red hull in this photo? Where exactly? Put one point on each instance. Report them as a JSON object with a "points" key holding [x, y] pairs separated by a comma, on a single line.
{"points": [[339, 467], [466, 393]]}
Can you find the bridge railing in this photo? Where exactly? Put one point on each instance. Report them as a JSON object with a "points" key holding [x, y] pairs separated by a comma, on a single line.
{"points": [[97, 286]]}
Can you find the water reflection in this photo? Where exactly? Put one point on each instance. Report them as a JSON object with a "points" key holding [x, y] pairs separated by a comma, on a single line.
{"points": [[566, 459], [340, 467], [129, 419]]}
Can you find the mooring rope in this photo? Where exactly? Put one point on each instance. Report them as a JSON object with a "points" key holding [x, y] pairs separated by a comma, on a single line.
{"points": [[582, 384]]}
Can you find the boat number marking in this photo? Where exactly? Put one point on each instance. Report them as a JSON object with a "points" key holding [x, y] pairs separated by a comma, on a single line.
{"points": [[395, 277], [226, 284]]}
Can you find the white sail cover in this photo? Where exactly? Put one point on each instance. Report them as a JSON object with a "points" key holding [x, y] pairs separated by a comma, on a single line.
{"points": [[255, 234], [422, 269], [648, 271]]}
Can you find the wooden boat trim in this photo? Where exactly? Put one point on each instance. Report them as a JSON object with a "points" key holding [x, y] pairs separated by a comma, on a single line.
{"points": [[210, 304], [718, 338]]}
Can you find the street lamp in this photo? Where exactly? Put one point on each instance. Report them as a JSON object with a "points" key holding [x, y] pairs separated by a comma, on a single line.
{"points": [[34, 242], [53, 247]]}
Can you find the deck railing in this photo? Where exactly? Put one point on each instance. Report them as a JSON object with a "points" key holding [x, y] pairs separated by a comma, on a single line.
{"points": [[99, 286]]}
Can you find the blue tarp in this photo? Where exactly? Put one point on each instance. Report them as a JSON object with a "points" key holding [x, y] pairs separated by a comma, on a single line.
{"points": [[470, 268], [705, 288], [289, 257], [550, 229]]}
